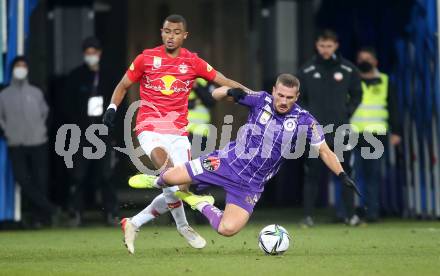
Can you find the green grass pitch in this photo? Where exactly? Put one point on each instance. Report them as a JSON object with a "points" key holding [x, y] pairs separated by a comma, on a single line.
{"points": [[389, 248]]}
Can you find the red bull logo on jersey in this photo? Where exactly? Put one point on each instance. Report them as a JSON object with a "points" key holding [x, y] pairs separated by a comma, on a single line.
{"points": [[167, 85], [183, 68]]}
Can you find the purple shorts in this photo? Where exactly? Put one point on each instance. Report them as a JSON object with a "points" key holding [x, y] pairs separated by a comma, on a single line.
{"points": [[216, 172]]}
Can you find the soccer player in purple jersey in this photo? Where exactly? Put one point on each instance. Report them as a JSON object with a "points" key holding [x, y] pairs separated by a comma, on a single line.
{"points": [[243, 167]]}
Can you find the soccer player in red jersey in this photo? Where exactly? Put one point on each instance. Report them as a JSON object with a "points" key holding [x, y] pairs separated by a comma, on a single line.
{"points": [[166, 75]]}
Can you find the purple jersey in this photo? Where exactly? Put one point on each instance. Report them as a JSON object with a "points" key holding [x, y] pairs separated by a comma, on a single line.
{"points": [[267, 139]]}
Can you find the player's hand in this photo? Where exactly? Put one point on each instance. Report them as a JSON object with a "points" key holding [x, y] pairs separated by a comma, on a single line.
{"points": [[236, 93], [349, 183], [109, 117]]}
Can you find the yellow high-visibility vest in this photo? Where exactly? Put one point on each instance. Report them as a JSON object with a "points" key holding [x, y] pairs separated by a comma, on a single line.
{"points": [[198, 117], [372, 113]]}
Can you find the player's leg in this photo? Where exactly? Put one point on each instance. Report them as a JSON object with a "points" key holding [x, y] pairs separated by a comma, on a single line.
{"points": [[156, 208], [175, 176], [226, 223], [130, 226], [233, 220], [168, 159], [180, 153], [212, 170], [158, 153], [161, 158], [239, 206], [154, 146]]}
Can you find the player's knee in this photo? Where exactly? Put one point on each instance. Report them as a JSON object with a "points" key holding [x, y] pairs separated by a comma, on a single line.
{"points": [[174, 176], [167, 177], [227, 230]]}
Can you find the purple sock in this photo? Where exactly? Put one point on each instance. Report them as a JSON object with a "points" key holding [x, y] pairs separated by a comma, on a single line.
{"points": [[213, 214], [160, 182]]}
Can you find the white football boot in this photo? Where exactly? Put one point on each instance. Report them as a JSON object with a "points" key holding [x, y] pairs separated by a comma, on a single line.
{"points": [[192, 237], [130, 233]]}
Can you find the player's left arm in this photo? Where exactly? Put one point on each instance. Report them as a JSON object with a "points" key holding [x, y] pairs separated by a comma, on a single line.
{"points": [[332, 162]]}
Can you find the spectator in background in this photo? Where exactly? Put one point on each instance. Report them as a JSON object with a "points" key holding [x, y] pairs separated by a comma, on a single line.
{"points": [[377, 115], [331, 90], [200, 101], [23, 114], [86, 93]]}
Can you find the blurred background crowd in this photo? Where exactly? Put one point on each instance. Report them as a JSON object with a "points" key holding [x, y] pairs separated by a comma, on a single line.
{"points": [[358, 62]]}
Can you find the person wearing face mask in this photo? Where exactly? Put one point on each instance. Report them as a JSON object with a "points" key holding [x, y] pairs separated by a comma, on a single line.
{"points": [[23, 114], [378, 109], [87, 91], [331, 90]]}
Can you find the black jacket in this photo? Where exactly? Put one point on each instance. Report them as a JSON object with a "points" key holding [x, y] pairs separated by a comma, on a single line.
{"points": [[330, 90], [77, 91]]}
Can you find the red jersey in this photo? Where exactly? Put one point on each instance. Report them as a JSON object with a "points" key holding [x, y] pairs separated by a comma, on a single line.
{"points": [[165, 84]]}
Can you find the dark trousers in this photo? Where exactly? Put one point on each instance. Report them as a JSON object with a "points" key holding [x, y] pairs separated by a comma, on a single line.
{"points": [[316, 172], [370, 171], [30, 167], [87, 174]]}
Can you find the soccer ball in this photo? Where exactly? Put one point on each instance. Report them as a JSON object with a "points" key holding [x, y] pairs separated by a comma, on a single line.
{"points": [[274, 239]]}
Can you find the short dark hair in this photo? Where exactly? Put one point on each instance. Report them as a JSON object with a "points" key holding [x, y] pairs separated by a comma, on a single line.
{"points": [[369, 49], [17, 59], [91, 42], [176, 18], [327, 34], [288, 80]]}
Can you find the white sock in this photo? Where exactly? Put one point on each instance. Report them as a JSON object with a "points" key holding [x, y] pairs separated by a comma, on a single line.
{"points": [[157, 207], [179, 212], [157, 185]]}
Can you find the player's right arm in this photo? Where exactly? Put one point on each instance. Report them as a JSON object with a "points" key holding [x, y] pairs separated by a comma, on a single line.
{"points": [[120, 90], [204, 70], [316, 138], [220, 79], [133, 74], [332, 162], [237, 94]]}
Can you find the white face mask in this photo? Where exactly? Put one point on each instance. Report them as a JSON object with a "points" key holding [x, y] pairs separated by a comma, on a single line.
{"points": [[91, 60], [20, 73]]}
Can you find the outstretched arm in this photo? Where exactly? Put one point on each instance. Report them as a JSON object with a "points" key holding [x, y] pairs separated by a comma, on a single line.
{"points": [[221, 80], [331, 161], [225, 91], [220, 93], [117, 97], [120, 90]]}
